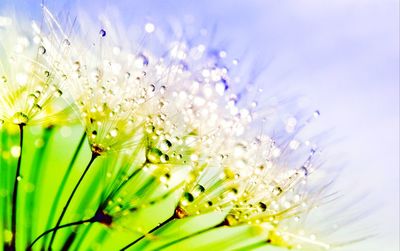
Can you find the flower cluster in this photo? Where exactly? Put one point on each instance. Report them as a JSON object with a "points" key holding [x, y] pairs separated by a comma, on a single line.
{"points": [[176, 161]]}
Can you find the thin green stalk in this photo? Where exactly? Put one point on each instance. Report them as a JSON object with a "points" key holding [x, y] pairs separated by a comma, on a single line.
{"points": [[91, 220], [184, 238], [12, 246], [151, 231], [82, 237], [69, 241], [101, 237], [94, 156], [113, 193], [63, 182]]}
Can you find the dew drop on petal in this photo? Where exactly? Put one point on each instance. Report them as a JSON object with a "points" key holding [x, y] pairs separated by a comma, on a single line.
{"points": [[164, 158], [294, 144], [277, 191], [149, 27], [187, 198], [152, 88], [37, 108], [42, 50], [262, 206], [162, 89], [67, 42], [15, 151], [58, 93], [93, 135], [3, 80], [102, 33], [154, 155], [316, 114], [199, 188], [164, 178], [165, 145], [114, 132]]}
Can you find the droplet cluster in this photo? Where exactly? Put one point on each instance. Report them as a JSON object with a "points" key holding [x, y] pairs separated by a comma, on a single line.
{"points": [[180, 122]]}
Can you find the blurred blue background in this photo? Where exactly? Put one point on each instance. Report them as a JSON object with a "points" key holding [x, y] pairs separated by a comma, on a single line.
{"points": [[343, 54]]}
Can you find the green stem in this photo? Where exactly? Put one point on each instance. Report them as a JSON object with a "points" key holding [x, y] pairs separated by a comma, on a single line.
{"points": [[94, 156], [91, 220], [113, 193], [63, 182], [101, 237], [70, 240], [151, 231], [82, 237], [184, 238], [12, 246]]}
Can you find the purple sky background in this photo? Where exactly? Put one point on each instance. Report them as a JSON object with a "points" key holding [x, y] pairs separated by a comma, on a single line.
{"points": [[343, 54]]}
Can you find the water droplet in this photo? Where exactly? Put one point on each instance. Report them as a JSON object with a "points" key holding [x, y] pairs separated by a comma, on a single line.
{"points": [[42, 50], [37, 108], [3, 79], [149, 27], [152, 88], [37, 93], [187, 198], [58, 93], [102, 33], [150, 128], [47, 73], [277, 191], [221, 87], [114, 132], [164, 178], [262, 206], [32, 98], [77, 65], [141, 61], [154, 155], [93, 134], [316, 114], [199, 189], [304, 170], [162, 89], [165, 145], [67, 42], [15, 151], [164, 158], [294, 144]]}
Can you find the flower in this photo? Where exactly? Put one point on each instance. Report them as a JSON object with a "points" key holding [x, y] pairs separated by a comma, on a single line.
{"points": [[31, 92], [176, 132]]}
